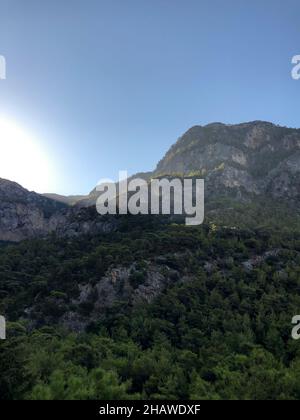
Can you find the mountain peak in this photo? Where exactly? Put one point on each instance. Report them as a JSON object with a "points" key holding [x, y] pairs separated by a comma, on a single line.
{"points": [[256, 157]]}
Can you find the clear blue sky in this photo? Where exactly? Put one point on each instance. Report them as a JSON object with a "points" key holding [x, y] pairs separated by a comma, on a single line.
{"points": [[111, 84]]}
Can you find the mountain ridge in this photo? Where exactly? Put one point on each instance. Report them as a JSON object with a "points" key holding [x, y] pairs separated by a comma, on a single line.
{"points": [[240, 160], [246, 162]]}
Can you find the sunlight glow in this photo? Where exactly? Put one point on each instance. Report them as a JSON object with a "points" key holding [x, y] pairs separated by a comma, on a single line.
{"points": [[22, 158]]}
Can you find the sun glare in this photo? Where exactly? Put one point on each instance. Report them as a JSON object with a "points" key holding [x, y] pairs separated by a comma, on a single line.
{"points": [[22, 158]]}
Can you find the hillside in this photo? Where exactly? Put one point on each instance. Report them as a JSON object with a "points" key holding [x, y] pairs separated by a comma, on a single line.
{"points": [[152, 311], [145, 307]]}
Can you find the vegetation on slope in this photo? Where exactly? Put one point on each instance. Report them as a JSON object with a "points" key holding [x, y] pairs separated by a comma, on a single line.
{"points": [[224, 333]]}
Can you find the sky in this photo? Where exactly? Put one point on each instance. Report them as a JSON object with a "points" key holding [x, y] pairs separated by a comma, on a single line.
{"points": [[109, 85]]}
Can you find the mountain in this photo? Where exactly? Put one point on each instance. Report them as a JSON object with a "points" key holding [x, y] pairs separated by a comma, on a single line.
{"points": [[248, 162], [25, 214], [141, 308], [255, 159]]}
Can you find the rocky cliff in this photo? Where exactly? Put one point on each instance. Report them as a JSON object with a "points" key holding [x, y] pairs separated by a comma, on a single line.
{"points": [[257, 158], [25, 214]]}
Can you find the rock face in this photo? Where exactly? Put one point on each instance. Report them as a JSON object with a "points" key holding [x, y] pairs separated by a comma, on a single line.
{"points": [[127, 284], [25, 214], [256, 158]]}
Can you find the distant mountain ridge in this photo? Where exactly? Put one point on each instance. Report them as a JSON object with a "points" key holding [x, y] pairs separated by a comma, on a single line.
{"points": [[70, 200]]}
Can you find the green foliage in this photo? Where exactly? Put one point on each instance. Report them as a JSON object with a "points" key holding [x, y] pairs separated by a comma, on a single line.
{"points": [[219, 331]]}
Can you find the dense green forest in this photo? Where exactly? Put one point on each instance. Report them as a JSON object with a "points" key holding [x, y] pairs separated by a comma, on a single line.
{"points": [[220, 330]]}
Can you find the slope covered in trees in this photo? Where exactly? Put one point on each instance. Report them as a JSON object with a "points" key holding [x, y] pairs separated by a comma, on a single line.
{"points": [[220, 330]]}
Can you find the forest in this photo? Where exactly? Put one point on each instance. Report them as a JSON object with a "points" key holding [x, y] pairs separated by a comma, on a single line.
{"points": [[220, 330]]}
